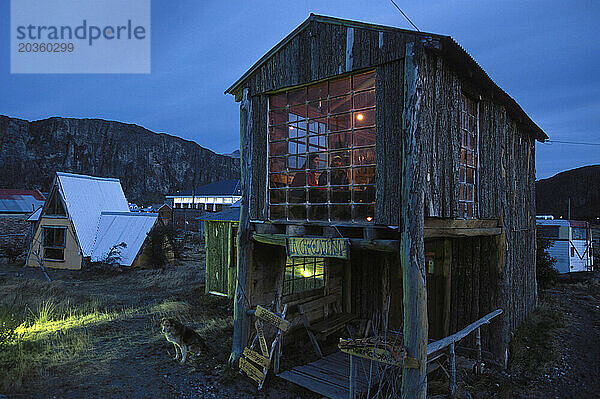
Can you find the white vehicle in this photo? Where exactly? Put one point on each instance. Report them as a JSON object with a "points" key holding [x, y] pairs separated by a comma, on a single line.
{"points": [[571, 243]]}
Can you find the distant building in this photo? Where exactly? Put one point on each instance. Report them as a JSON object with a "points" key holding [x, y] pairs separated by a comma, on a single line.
{"points": [[20, 203], [210, 197], [85, 218], [571, 243], [15, 207]]}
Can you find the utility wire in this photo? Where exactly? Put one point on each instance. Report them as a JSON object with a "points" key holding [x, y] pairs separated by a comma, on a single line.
{"points": [[569, 142], [405, 16]]}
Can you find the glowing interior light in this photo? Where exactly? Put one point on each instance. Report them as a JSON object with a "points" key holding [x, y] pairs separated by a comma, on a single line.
{"points": [[369, 218], [306, 273], [360, 117], [291, 127]]}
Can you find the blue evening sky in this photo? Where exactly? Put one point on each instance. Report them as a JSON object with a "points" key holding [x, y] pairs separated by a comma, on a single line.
{"points": [[545, 54]]}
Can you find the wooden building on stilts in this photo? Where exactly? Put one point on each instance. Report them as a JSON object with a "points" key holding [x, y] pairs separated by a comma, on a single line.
{"points": [[384, 168]]}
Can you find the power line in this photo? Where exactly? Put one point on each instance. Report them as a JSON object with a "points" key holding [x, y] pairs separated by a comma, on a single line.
{"points": [[569, 142], [405, 16]]}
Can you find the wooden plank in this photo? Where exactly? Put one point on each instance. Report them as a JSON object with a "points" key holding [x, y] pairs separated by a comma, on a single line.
{"points": [[251, 371], [257, 358], [315, 384], [272, 318], [460, 223], [412, 257], [382, 356], [355, 243], [431, 232], [261, 338], [317, 247]]}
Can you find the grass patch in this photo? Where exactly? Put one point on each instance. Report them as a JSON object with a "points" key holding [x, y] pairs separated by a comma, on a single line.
{"points": [[532, 345]]}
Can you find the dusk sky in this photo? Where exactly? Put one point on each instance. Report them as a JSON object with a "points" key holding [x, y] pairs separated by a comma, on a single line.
{"points": [[544, 54]]}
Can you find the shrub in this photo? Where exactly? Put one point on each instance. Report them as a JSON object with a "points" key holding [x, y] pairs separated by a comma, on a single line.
{"points": [[545, 272]]}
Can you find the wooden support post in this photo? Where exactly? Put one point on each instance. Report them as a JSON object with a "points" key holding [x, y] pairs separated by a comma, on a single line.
{"points": [[412, 257], [245, 245], [452, 370], [448, 285], [353, 377], [479, 365]]}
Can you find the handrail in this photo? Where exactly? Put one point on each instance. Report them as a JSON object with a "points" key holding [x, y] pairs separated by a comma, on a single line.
{"points": [[444, 342]]}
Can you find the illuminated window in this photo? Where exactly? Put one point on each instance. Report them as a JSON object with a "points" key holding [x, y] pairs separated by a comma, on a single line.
{"points": [[54, 242], [303, 274], [468, 158], [322, 151]]}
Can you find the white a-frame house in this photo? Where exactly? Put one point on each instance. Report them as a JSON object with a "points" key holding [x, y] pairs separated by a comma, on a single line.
{"points": [[84, 218]]}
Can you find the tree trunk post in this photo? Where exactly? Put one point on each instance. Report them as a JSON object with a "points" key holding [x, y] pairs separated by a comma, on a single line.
{"points": [[412, 257], [245, 246]]}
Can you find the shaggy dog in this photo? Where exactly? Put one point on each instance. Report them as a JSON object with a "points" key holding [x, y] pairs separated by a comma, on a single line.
{"points": [[181, 337]]}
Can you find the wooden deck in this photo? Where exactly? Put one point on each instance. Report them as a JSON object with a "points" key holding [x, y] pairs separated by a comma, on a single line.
{"points": [[330, 375]]}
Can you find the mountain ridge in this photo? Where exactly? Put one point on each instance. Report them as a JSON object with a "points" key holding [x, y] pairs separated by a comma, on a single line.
{"points": [[148, 164], [581, 184]]}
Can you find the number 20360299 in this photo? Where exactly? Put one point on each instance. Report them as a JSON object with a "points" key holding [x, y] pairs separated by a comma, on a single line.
{"points": [[46, 47]]}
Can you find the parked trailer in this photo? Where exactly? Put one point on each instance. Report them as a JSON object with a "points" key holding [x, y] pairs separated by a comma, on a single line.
{"points": [[571, 243]]}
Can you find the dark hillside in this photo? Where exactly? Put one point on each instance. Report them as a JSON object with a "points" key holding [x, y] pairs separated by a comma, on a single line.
{"points": [[147, 163]]}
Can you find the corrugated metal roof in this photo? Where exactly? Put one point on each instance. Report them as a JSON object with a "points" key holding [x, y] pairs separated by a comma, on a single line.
{"points": [[86, 197], [219, 188], [117, 227], [451, 49], [20, 201]]}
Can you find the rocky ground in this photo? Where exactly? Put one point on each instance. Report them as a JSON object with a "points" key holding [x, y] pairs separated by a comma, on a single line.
{"points": [[98, 335]]}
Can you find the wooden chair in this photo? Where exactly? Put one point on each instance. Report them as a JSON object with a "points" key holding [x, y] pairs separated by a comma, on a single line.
{"points": [[331, 323]]}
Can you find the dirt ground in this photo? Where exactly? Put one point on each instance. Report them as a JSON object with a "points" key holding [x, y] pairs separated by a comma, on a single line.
{"points": [[555, 353], [98, 335], [120, 352]]}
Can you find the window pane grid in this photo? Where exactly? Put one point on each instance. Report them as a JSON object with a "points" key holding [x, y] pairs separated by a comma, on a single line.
{"points": [[330, 165], [468, 203], [303, 274]]}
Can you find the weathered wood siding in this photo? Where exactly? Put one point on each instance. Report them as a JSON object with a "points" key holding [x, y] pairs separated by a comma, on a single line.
{"points": [[506, 192], [324, 50]]}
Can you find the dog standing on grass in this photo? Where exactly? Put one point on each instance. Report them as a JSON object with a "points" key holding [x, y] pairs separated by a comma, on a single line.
{"points": [[182, 337]]}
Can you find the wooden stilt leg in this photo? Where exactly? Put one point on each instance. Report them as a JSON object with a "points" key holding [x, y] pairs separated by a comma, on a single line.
{"points": [[452, 370]]}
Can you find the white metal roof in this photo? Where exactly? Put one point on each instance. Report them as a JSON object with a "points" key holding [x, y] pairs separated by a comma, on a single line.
{"points": [[117, 227], [86, 197]]}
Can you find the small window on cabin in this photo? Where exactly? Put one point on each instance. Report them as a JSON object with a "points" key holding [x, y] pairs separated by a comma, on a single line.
{"points": [[548, 231], [55, 205], [303, 274], [469, 159], [578, 233], [322, 151], [54, 242]]}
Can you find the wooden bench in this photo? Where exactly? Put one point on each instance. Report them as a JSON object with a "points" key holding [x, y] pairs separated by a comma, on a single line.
{"points": [[331, 323]]}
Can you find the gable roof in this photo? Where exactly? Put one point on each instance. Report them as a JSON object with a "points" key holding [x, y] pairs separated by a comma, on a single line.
{"points": [[132, 228], [85, 198], [223, 188], [449, 47], [20, 201]]}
